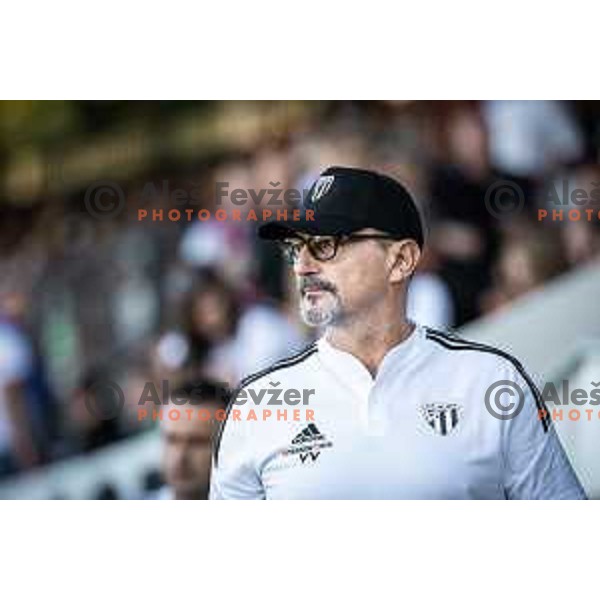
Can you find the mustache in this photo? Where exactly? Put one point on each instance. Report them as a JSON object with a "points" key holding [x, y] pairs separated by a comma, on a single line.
{"points": [[311, 281]]}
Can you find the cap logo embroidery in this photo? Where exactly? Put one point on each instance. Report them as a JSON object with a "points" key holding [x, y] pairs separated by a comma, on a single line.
{"points": [[322, 186]]}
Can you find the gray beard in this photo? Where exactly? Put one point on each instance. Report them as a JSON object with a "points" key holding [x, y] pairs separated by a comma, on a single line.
{"points": [[327, 313]]}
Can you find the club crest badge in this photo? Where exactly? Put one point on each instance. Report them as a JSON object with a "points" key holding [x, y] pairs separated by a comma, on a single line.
{"points": [[443, 418], [322, 186]]}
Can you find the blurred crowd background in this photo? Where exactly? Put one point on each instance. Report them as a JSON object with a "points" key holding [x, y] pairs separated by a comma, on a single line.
{"points": [[90, 296]]}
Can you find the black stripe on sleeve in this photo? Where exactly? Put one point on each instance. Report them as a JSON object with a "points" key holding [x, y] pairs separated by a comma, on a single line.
{"points": [[282, 364], [454, 342]]}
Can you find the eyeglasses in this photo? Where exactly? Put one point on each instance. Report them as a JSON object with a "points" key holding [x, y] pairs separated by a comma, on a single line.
{"points": [[324, 247]]}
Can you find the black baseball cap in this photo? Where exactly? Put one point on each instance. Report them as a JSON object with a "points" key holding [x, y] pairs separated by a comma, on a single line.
{"points": [[344, 200]]}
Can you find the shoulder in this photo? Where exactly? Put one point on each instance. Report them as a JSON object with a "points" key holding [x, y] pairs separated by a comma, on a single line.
{"points": [[491, 365], [285, 366], [284, 369], [448, 343]]}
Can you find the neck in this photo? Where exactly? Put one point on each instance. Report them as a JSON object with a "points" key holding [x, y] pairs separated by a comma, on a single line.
{"points": [[372, 335]]}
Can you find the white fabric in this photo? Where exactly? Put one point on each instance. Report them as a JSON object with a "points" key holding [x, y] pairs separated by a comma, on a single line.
{"points": [[381, 444]]}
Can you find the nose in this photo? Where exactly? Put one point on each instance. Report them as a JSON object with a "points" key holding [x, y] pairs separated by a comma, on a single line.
{"points": [[306, 264]]}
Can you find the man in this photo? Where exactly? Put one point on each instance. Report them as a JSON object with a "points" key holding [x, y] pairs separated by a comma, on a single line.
{"points": [[400, 410], [187, 429]]}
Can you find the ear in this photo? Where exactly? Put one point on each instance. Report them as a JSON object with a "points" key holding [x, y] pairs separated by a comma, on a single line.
{"points": [[403, 258]]}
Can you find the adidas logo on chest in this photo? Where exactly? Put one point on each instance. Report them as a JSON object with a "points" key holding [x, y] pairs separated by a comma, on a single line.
{"points": [[308, 444]]}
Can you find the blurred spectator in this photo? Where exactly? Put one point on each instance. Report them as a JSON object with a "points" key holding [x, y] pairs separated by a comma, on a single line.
{"points": [[187, 440], [18, 444], [530, 139], [526, 261], [429, 300], [209, 320], [224, 339], [93, 412], [222, 245], [580, 238], [465, 231]]}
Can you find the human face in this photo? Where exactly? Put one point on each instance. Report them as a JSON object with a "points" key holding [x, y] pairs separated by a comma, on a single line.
{"points": [[210, 315], [187, 455], [344, 286]]}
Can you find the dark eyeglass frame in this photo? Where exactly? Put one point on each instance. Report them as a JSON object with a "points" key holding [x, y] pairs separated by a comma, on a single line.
{"points": [[292, 245]]}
